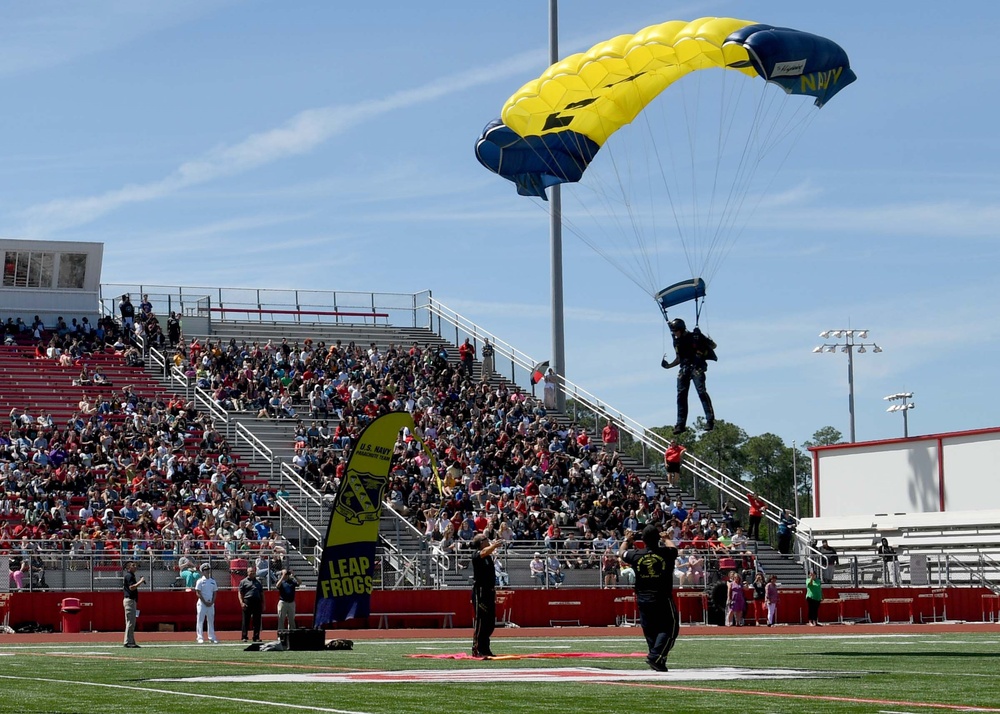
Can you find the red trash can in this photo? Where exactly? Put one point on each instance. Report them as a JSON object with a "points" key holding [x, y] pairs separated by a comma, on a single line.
{"points": [[70, 609], [237, 570]]}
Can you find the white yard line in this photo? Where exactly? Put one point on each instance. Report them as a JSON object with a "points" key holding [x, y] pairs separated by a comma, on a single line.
{"points": [[169, 692]]}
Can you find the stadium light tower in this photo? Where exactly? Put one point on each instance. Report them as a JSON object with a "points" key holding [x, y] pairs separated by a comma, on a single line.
{"points": [[904, 407], [848, 341]]}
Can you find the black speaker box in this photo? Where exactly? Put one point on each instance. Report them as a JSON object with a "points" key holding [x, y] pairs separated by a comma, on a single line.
{"points": [[303, 638]]}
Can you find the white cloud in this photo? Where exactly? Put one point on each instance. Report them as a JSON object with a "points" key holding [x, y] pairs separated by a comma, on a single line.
{"points": [[302, 133]]}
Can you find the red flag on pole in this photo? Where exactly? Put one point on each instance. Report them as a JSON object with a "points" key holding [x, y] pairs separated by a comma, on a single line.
{"points": [[538, 372]]}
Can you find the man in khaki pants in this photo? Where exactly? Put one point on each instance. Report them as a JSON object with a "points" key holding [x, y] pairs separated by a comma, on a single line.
{"points": [[286, 599], [130, 600]]}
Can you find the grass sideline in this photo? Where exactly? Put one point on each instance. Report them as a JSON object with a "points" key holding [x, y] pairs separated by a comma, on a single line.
{"points": [[889, 672]]}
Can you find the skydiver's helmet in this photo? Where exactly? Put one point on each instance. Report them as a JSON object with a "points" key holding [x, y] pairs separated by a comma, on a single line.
{"points": [[677, 325]]}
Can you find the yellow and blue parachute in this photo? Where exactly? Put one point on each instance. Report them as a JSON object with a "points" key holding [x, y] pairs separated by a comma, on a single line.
{"points": [[551, 129], [563, 127]]}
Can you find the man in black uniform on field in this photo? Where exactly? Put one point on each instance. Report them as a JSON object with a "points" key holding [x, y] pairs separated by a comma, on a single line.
{"points": [[484, 595], [654, 586]]}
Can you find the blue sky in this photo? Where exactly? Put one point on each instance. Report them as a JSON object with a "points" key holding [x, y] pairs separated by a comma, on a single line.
{"points": [[329, 145]]}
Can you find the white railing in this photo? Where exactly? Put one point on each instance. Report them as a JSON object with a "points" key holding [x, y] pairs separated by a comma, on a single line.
{"points": [[309, 491], [219, 415], [289, 509], [257, 447], [273, 305]]}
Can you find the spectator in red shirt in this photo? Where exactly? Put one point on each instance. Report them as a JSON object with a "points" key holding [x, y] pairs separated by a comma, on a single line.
{"points": [[466, 354], [609, 435], [757, 508], [481, 522], [672, 458]]}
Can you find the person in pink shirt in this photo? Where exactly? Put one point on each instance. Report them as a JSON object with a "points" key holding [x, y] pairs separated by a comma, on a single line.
{"points": [[20, 575]]}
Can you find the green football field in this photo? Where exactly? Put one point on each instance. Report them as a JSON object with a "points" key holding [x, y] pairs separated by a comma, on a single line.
{"points": [[732, 675]]}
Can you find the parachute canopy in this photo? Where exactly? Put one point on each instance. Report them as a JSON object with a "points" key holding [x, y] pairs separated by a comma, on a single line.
{"points": [[550, 130]]}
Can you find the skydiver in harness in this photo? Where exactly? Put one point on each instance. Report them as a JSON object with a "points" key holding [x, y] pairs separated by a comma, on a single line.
{"points": [[693, 350]]}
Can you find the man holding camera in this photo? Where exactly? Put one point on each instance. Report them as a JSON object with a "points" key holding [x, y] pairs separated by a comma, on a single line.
{"points": [[286, 586]]}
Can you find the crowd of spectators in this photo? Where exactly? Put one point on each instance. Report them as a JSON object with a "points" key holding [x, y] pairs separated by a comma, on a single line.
{"points": [[505, 466], [130, 474]]}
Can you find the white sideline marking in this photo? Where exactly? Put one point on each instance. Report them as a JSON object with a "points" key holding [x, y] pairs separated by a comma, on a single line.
{"points": [[197, 695], [549, 674]]}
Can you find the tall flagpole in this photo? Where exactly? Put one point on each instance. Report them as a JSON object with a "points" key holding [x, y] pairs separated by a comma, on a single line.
{"points": [[555, 242]]}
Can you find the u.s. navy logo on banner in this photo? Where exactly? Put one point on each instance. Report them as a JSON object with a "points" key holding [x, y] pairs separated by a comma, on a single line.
{"points": [[362, 499]]}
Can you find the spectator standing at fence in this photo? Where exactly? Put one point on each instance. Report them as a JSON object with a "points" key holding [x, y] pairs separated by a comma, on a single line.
{"points": [[466, 355], [127, 310], [488, 353], [286, 587], [251, 597], [484, 595], [22, 575], [145, 308], [771, 600], [759, 599], [736, 602], [890, 563], [610, 436], [672, 458], [550, 382], [173, 329], [830, 561], [130, 601], [814, 596], [654, 582], [206, 588], [757, 508], [786, 530]]}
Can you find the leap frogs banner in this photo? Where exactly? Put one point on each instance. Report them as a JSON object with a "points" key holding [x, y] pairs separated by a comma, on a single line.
{"points": [[344, 588]]}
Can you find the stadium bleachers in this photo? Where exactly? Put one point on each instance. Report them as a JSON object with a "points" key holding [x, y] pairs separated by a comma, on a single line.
{"points": [[951, 544]]}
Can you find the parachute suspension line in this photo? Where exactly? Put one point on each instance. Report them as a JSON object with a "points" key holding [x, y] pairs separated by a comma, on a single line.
{"points": [[692, 136], [727, 120], [738, 189], [666, 185], [641, 256], [794, 126], [584, 236], [632, 250], [606, 209]]}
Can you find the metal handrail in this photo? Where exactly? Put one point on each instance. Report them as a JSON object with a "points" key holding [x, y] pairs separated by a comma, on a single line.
{"points": [[257, 446], [308, 490], [291, 305], [301, 520], [218, 413], [187, 384]]}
